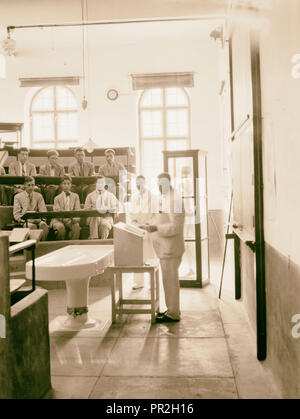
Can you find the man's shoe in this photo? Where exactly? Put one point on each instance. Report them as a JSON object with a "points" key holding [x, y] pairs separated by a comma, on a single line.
{"points": [[166, 319], [161, 314]]}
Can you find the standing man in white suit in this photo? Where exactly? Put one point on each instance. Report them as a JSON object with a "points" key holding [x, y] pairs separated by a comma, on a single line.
{"points": [[168, 242], [140, 214]]}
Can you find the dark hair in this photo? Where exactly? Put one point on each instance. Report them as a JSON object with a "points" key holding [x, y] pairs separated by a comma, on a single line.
{"points": [[98, 177], [23, 149], [51, 152], [165, 175], [28, 179], [66, 177], [78, 149]]}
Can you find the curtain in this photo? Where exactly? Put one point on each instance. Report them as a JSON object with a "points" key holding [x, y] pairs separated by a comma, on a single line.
{"points": [[161, 80], [49, 81]]}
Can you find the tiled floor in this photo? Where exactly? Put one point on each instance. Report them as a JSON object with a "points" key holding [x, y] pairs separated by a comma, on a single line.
{"points": [[209, 354]]}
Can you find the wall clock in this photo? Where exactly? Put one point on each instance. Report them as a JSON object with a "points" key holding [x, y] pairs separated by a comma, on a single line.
{"points": [[112, 94]]}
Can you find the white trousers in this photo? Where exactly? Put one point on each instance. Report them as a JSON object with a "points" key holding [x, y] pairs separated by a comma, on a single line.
{"points": [[42, 225], [100, 227], [170, 277]]}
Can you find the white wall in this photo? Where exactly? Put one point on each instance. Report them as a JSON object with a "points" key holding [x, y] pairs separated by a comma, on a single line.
{"points": [[58, 52], [281, 128]]}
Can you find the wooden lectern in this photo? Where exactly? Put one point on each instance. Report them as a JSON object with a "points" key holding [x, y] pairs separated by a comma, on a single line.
{"points": [[129, 245]]}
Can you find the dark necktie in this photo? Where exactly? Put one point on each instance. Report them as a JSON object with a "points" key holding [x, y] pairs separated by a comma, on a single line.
{"points": [[81, 173], [30, 202], [23, 170], [67, 202]]}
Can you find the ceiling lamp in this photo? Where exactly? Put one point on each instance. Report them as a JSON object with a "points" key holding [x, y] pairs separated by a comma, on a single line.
{"points": [[9, 45], [218, 34], [90, 146]]}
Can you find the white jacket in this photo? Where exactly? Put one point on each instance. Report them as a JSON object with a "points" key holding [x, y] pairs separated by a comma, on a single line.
{"points": [[168, 240]]}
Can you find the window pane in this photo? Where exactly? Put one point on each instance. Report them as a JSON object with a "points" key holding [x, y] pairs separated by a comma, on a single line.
{"points": [[177, 123], [67, 144], [152, 97], [187, 269], [176, 97], [65, 99], [152, 159], [44, 100], [177, 145], [152, 124], [67, 126], [43, 126], [45, 145]]}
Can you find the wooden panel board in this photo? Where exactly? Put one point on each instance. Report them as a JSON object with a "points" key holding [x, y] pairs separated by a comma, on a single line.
{"points": [[242, 164]]}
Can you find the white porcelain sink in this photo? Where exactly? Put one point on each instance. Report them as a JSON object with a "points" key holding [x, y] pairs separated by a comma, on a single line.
{"points": [[75, 264], [71, 263]]}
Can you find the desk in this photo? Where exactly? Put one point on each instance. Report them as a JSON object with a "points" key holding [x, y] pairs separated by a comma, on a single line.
{"points": [[75, 264], [31, 215]]}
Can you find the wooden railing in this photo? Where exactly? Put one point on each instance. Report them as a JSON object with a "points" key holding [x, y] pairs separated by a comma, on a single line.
{"points": [[29, 245]]}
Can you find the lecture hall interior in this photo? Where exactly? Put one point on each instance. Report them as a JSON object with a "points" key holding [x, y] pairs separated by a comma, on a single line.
{"points": [[111, 111]]}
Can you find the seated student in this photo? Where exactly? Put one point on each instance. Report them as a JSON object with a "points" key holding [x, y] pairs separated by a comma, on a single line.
{"points": [[29, 200], [111, 168], [22, 167], [4, 190], [81, 168], [52, 168], [66, 201], [107, 204]]}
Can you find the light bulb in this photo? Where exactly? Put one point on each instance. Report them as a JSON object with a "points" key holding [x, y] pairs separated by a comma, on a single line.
{"points": [[84, 103], [9, 46]]}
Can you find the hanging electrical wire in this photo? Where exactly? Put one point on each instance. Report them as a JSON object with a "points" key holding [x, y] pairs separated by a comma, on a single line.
{"points": [[84, 100]]}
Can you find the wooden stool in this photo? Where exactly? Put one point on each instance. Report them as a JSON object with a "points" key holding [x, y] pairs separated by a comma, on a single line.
{"points": [[116, 282]]}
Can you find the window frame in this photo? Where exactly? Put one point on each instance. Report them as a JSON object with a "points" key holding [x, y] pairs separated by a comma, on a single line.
{"points": [[54, 112], [164, 108]]}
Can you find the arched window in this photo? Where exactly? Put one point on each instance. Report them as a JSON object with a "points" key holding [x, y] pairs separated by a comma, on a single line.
{"points": [[53, 116], [164, 124]]}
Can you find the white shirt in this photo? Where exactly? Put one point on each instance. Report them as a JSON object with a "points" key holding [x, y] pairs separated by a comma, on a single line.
{"points": [[30, 199], [106, 201], [141, 207], [23, 169], [52, 171], [166, 204], [67, 202]]}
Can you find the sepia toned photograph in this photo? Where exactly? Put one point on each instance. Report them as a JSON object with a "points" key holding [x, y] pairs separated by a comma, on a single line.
{"points": [[149, 214]]}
